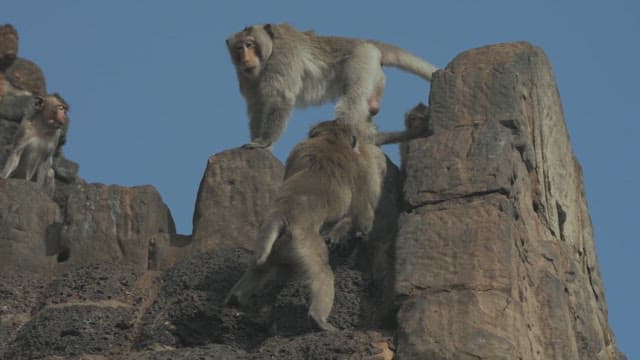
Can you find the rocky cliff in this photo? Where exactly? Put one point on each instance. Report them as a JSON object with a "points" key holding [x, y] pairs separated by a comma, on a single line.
{"points": [[482, 247]]}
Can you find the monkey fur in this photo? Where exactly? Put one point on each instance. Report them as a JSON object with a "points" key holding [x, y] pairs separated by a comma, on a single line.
{"points": [[36, 142], [279, 68], [330, 177]]}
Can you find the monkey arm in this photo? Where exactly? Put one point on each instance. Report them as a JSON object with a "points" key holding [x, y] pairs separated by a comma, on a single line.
{"points": [[42, 171], [340, 232], [12, 163], [22, 140], [391, 137], [271, 124]]}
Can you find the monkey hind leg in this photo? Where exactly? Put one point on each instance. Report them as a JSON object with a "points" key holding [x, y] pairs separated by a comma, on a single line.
{"points": [[322, 294], [364, 84], [320, 278]]}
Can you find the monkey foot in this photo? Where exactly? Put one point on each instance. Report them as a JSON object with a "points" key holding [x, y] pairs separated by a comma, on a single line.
{"points": [[256, 145], [323, 325]]}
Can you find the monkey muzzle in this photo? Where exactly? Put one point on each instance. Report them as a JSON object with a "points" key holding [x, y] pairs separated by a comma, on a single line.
{"points": [[56, 123]]}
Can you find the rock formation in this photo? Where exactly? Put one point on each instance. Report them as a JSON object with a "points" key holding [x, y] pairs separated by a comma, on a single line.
{"points": [[482, 248], [495, 256]]}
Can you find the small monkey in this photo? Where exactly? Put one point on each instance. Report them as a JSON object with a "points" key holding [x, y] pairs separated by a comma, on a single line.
{"points": [[330, 177], [279, 68], [36, 142], [416, 122]]}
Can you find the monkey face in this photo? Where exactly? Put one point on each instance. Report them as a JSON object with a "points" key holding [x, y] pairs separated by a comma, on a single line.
{"points": [[250, 49], [56, 113], [245, 54]]}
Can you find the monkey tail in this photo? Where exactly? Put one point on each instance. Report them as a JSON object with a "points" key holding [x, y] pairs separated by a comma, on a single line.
{"points": [[269, 232], [402, 59]]}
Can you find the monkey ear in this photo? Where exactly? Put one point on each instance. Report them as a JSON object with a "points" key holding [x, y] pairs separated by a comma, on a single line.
{"points": [[38, 102], [269, 30]]}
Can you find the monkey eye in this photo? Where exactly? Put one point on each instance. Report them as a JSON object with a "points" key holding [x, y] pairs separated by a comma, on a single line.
{"points": [[249, 44]]}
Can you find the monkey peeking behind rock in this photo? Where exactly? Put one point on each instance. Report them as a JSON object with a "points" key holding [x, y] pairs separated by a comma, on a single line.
{"points": [[330, 177], [36, 142], [279, 68]]}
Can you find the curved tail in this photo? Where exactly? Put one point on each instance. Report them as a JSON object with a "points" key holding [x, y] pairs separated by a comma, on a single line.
{"points": [[402, 59], [269, 232]]}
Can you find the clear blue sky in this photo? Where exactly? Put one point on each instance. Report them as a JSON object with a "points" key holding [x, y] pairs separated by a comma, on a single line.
{"points": [[153, 93]]}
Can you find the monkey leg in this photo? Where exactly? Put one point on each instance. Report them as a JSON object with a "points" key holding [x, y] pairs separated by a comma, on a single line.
{"points": [[11, 164], [252, 281], [314, 260], [376, 99], [340, 232], [273, 120], [363, 83]]}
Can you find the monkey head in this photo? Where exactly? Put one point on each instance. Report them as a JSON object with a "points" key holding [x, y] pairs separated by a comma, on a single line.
{"points": [[417, 118], [334, 130], [250, 49], [54, 110]]}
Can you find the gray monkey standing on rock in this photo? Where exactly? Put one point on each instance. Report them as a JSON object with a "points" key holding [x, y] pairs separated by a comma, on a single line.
{"points": [[279, 68]]}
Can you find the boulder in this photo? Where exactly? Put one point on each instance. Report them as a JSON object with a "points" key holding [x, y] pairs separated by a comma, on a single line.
{"points": [[495, 256]]}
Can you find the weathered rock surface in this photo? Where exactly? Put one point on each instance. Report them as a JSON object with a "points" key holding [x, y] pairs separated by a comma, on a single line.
{"points": [[27, 217], [495, 258], [8, 45], [111, 223], [235, 191], [484, 251]]}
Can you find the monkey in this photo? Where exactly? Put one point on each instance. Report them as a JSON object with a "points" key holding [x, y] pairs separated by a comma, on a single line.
{"points": [[36, 141], [416, 122], [279, 68], [329, 177]]}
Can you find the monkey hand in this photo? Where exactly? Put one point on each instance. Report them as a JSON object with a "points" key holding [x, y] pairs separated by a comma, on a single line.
{"points": [[331, 241]]}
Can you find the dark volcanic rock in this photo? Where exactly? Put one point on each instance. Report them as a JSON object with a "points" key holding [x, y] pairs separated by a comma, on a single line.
{"points": [[322, 345], [101, 282], [73, 330], [208, 352], [90, 310], [188, 310], [20, 293], [496, 257]]}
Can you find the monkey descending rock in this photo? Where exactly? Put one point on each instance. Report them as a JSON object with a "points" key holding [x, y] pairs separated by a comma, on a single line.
{"points": [[332, 178], [36, 142], [329, 177], [279, 68]]}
